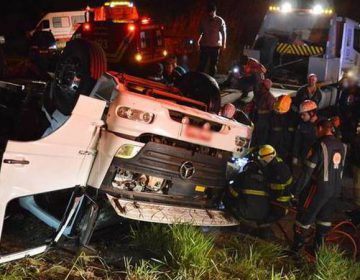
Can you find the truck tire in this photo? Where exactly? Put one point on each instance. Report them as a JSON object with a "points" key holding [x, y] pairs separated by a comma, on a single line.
{"points": [[80, 65], [201, 87]]}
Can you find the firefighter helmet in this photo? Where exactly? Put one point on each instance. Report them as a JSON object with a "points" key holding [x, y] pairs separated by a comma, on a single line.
{"points": [[307, 106], [282, 104], [266, 153]]}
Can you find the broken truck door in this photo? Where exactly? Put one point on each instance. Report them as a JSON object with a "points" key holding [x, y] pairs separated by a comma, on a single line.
{"points": [[61, 160]]}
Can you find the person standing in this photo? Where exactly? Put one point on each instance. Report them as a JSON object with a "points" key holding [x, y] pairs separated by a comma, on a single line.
{"points": [[264, 103], [212, 39], [319, 185], [310, 91], [280, 137], [305, 134]]}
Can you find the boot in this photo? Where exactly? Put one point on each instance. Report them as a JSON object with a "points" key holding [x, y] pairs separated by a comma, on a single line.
{"points": [[299, 238], [321, 231]]}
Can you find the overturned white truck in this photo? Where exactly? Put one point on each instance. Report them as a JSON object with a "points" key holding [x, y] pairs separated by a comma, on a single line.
{"points": [[146, 149]]}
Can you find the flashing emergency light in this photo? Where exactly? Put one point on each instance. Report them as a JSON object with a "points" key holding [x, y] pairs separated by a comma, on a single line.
{"points": [[145, 20], [274, 8], [317, 9], [86, 27], [286, 7], [112, 4], [131, 27], [138, 57]]}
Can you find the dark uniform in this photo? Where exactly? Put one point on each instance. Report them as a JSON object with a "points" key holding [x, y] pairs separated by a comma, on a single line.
{"points": [[247, 196], [323, 170], [263, 105], [305, 137], [279, 179], [280, 134], [349, 107], [304, 94]]}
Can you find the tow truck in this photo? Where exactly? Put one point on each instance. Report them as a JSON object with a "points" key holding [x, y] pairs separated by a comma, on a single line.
{"points": [[294, 41]]}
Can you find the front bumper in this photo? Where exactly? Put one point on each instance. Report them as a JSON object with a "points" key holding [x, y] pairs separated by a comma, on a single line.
{"points": [[168, 214]]}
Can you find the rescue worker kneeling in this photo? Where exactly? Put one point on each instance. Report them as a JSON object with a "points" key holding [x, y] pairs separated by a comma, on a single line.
{"points": [[247, 197], [278, 179]]}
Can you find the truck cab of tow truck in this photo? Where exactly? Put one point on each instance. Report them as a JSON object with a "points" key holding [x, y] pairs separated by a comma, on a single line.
{"points": [[296, 40]]}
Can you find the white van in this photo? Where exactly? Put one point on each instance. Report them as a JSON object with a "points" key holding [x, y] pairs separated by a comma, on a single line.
{"points": [[61, 24]]}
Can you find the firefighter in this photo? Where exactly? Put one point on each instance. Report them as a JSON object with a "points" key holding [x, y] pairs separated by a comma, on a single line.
{"points": [[279, 180], [264, 104], [253, 74], [247, 196], [319, 185], [349, 104], [280, 134], [310, 91], [305, 134], [247, 74]]}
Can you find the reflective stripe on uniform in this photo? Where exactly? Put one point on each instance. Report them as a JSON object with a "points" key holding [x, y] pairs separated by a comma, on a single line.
{"points": [[322, 223], [343, 160], [326, 161], [233, 192], [283, 199], [310, 164], [277, 129], [254, 192], [301, 225], [280, 187]]}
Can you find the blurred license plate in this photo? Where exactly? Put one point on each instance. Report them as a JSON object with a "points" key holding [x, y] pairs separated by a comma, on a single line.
{"points": [[197, 133]]}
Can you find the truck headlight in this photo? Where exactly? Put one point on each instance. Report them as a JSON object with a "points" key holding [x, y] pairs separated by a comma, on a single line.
{"points": [[134, 114], [128, 151]]}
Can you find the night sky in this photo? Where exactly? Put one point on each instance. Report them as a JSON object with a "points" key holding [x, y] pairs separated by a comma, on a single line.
{"points": [[25, 13]]}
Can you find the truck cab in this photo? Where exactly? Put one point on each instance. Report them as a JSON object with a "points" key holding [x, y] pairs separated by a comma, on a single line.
{"points": [[294, 41]]}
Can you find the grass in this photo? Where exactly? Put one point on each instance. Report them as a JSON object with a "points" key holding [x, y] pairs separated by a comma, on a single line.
{"points": [[182, 252], [54, 266]]}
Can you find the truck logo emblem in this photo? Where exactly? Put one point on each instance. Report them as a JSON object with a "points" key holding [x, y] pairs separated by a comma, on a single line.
{"points": [[187, 170]]}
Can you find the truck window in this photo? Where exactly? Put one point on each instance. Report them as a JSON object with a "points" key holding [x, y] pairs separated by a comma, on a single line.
{"points": [[312, 30], [357, 40], [45, 24], [145, 39], [60, 22], [159, 38], [77, 19]]}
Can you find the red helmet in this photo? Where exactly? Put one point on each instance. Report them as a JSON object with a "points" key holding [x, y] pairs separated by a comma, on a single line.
{"points": [[307, 106]]}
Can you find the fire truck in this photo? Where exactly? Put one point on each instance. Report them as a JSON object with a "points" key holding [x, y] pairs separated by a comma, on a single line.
{"points": [[129, 41], [294, 41]]}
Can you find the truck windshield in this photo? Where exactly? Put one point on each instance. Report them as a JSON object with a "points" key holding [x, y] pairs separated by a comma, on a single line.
{"points": [[297, 27]]}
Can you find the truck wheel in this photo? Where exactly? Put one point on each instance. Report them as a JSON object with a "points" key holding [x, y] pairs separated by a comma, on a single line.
{"points": [[201, 87], [80, 65]]}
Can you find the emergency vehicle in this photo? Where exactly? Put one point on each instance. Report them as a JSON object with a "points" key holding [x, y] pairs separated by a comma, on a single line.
{"points": [[129, 41], [294, 41], [61, 24]]}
